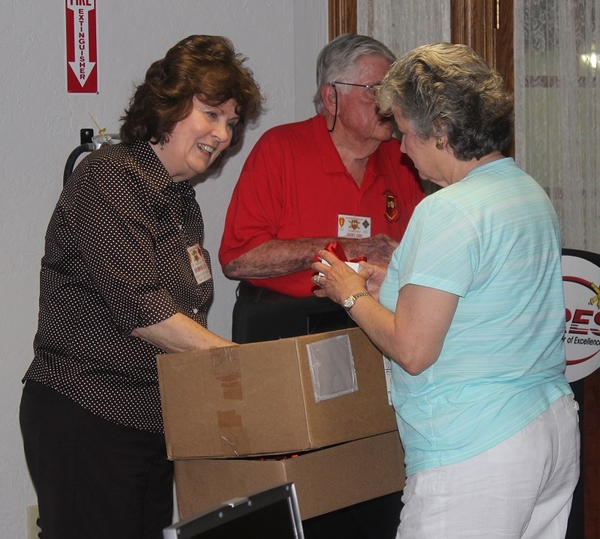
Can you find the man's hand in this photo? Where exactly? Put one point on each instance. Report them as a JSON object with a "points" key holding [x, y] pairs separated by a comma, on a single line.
{"points": [[378, 249]]}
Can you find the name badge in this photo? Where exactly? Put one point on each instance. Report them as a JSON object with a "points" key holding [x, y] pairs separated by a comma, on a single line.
{"points": [[354, 226], [199, 265]]}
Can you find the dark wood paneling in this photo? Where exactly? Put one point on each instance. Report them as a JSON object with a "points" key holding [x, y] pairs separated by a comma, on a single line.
{"points": [[342, 17], [591, 463], [487, 26], [472, 23]]}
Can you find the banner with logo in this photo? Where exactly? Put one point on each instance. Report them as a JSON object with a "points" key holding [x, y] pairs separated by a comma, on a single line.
{"points": [[581, 281]]}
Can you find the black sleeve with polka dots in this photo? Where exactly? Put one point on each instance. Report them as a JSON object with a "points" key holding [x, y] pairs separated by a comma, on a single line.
{"points": [[116, 258]]}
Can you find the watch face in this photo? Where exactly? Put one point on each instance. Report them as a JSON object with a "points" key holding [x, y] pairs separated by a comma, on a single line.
{"points": [[348, 302]]}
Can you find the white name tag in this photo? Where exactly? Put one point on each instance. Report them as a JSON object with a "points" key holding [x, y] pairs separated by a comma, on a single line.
{"points": [[354, 226], [199, 265]]}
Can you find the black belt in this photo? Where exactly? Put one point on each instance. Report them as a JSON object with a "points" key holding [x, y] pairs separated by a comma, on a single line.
{"points": [[249, 291]]}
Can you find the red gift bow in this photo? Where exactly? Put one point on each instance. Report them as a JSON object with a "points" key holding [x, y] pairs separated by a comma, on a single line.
{"points": [[336, 249]]}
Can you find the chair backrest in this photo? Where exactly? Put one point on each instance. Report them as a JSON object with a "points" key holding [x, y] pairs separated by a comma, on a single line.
{"points": [[272, 513]]}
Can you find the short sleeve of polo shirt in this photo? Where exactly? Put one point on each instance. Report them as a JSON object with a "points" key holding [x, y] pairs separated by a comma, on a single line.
{"points": [[113, 225], [440, 249]]}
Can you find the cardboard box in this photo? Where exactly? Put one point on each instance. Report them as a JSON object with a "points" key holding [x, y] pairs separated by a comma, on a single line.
{"points": [[326, 479], [274, 397]]}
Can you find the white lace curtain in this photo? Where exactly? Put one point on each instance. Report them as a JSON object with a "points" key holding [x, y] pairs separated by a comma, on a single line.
{"points": [[557, 102], [404, 24], [557, 109]]}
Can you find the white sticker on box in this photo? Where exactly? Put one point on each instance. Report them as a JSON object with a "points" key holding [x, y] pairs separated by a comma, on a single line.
{"points": [[387, 367], [332, 367]]}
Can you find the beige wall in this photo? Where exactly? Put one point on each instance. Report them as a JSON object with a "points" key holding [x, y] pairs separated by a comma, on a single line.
{"points": [[40, 126]]}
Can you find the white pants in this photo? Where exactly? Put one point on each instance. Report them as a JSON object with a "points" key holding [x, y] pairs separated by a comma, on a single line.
{"points": [[520, 489]]}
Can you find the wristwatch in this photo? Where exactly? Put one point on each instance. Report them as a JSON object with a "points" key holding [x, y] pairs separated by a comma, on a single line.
{"points": [[349, 302]]}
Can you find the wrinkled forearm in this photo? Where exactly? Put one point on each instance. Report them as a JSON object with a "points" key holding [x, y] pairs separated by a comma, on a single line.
{"points": [[275, 258]]}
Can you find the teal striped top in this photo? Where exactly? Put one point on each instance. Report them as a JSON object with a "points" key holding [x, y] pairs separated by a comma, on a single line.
{"points": [[493, 240]]}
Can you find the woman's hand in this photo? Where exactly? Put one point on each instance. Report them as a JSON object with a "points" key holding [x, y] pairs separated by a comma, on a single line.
{"points": [[336, 280], [375, 280]]}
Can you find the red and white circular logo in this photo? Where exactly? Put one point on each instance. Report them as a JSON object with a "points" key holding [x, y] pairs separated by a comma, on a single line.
{"points": [[581, 281]]}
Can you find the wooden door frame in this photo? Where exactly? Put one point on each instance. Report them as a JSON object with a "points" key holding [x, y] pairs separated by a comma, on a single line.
{"points": [[487, 26], [484, 25], [342, 17]]}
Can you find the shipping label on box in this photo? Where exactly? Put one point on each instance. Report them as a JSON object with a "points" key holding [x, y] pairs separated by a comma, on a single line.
{"points": [[332, 368], [274, 397]]}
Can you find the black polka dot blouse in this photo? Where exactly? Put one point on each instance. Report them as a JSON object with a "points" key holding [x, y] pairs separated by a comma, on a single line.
{"points": [[116, 259]]}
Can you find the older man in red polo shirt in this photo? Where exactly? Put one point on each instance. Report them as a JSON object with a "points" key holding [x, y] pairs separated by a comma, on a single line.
{"points": [[339, 176]]}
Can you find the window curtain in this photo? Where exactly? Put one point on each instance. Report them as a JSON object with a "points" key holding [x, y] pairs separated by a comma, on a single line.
{"points": [[403, 25], [557, 106]]}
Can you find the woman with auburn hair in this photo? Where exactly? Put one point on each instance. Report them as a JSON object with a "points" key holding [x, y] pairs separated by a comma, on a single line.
{"points": [[125, 277]]}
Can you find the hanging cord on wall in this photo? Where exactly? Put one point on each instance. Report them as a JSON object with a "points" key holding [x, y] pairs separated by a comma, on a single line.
{"points": [[101, 138], [88, 143], [86, 136]]}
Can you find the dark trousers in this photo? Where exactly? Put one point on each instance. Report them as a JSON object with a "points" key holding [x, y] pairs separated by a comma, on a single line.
{"points": [[262, 315], [94, 479]]}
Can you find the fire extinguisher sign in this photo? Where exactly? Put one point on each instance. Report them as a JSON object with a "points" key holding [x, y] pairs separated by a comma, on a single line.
{"points": [[82, 53]]}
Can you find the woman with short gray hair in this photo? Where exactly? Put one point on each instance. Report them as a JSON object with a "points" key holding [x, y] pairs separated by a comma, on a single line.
{"points": [[471, 311]]}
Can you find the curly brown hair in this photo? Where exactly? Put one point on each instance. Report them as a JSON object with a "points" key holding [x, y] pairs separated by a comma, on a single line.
{"points": [[206, 67]]}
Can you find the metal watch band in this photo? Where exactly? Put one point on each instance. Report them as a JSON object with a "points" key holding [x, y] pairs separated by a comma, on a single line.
{"points": [[351, 300]]}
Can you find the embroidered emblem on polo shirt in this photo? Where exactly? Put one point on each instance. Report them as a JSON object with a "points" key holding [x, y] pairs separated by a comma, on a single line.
{"points": [[391, 206]]}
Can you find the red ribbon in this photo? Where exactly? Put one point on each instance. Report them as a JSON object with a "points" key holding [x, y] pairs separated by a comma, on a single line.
{"points": [[336, 249]]}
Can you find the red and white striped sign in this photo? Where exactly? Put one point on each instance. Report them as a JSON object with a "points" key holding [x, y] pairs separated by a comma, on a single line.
{"points": [[82, 52]]}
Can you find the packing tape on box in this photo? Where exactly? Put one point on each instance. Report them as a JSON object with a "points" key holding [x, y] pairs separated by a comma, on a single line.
{"points": [[226, 368], [229, 419]]}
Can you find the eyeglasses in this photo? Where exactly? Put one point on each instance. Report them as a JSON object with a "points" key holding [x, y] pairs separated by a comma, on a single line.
{"points": [[368, 86]]}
